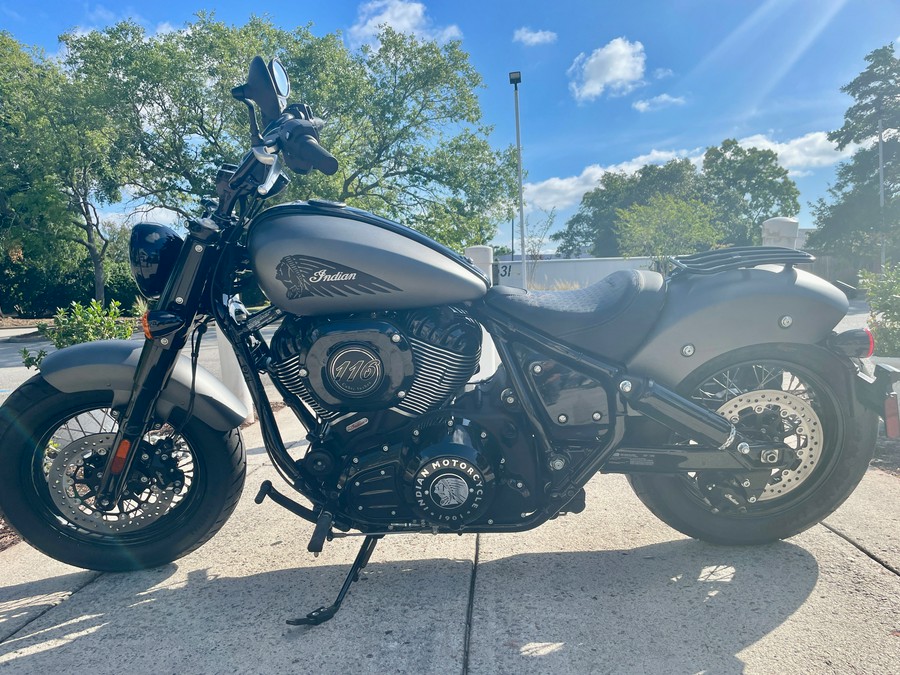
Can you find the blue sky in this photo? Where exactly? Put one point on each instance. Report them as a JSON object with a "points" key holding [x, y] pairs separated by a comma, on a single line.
{"points": [[605, 85]]}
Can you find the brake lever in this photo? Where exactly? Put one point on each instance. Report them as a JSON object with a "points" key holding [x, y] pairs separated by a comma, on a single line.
{"points": [[275, 166]]}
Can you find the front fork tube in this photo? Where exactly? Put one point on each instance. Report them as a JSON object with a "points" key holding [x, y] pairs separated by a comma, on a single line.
{"points": [[177, 309]]}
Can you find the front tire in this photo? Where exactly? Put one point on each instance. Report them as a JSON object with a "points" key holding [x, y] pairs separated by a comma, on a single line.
{"points": [[792, 386], [181, 489]]}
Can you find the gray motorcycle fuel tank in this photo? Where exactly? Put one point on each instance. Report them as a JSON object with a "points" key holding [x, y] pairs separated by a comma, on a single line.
{"points": [[315, 258]]}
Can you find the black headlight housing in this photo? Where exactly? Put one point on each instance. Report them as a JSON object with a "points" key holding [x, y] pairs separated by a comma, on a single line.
{"points": [[153, 250]]}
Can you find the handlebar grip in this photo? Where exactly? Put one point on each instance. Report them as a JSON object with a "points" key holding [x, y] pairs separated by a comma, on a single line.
{"points": [[309, 150]]}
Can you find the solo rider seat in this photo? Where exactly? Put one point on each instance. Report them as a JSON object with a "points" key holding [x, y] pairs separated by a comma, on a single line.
{"points": [[609, 319]]}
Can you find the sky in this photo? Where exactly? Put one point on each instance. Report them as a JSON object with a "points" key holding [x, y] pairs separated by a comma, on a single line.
{"points": [[606, 85]]}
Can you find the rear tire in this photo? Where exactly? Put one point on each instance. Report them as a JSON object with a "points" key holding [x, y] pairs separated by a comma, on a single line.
{"points": [[812, 379], [51, 444]]}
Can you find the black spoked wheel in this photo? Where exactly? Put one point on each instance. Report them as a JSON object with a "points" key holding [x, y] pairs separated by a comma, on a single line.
{"points": [[180, 490], [796, 397]]}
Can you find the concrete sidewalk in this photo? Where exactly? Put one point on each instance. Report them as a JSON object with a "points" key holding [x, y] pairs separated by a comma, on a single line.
{"points": [[609, 590]]}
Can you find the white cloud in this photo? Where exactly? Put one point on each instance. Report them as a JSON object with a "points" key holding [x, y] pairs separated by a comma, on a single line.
{"points": [[657, 103], [565, 192], [798, 155], [100, 15], [401, 15], [619, 67], [531, 38], [661, 73], [164, 27]]}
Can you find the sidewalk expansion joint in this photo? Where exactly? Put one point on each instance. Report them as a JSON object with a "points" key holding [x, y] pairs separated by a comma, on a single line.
{"points": [[50, 607], [884, 563], [467, 638]]}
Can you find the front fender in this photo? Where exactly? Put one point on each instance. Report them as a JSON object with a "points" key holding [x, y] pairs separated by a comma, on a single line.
{"points": [[718, 313], [111, 364]]}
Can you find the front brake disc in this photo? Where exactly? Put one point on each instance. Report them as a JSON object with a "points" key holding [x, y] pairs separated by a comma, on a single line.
{"points": [[72, 479]]}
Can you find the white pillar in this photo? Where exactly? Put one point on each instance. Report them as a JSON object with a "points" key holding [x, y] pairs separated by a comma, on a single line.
{"points": [[780, 231], [483, 257]]}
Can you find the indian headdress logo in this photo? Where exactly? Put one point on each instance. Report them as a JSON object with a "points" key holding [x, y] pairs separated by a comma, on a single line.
{"points": [[304, 277]]}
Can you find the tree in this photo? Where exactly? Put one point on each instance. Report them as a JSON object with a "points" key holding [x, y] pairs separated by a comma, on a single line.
{"points": [[667, 226], [403, 119], [593, 227], [850, 223], [66, 152], [746, 186]]}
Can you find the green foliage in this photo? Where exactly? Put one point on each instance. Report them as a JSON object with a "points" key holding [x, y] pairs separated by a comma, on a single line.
{"points": [[746, 186], [743, 187], [66, 144], [883, 294], [850, 223], [594, 227], [120, 286], [81, 323], [403, 119], [667, 226], [39, 276], [154, 113]]}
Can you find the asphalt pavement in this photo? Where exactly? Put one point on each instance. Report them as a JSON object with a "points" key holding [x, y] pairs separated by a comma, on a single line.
{"points": [[609, 590]]}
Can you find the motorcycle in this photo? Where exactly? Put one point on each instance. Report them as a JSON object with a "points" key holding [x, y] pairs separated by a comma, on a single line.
{"points": [[720, 389]]}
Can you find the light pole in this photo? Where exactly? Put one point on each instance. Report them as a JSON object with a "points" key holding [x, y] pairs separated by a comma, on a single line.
{"points": [[515, 78], [881, 187]]}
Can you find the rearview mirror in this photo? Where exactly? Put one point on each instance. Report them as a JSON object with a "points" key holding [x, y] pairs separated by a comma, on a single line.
{"points": [[280, 78], [260, 88]]}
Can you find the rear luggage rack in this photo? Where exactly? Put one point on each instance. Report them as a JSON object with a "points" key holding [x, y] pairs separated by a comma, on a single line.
{"points": [[711, 262]]}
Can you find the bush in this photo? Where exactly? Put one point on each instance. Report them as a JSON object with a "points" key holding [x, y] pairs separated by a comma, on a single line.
{"points": [[79, 324], [883, 292], [120, 286], [33, 289]]}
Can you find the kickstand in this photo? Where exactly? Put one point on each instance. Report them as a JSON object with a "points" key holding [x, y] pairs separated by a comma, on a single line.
{"points": [[323, 614]]}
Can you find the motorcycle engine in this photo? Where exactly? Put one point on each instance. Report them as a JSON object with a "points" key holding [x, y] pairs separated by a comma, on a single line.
{"points": [[407, 362]]}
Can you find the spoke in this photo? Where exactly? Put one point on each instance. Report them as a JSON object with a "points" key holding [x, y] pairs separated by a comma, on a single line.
{"points": [[768, 376]]}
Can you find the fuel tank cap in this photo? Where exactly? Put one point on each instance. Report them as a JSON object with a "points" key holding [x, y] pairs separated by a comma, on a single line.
{"points": [[327, 204]]}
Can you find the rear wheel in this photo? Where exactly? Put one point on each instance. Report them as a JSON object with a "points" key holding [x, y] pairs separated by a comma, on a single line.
{"points": [[182, 487], [794, 395]]}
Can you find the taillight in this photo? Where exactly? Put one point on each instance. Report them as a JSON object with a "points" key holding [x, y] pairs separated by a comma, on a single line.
{"points": [[856, 343], [871, 342]]}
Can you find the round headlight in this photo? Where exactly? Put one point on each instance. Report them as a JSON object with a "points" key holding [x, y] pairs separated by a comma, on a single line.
{"points": [[153, 250]]}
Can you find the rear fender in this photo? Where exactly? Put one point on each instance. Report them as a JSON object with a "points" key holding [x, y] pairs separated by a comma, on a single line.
{"points": [[111, 364], [706, 316]]}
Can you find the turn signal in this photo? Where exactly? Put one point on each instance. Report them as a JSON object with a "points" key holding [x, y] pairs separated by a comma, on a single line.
{"points": [[857, 343], [158, 323]]}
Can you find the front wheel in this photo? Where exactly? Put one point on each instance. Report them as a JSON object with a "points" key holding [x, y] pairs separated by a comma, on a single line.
{"points": [[181, 488], [793, 395]]}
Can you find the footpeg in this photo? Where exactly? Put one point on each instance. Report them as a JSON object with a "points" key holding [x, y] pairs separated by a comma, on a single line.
{"points": [[323, 527], [264, 490]]}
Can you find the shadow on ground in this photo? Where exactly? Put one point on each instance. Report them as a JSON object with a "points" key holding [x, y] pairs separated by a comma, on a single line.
{"points": [[654, 608]]}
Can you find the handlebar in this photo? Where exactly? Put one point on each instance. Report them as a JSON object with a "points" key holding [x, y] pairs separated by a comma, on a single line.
{"points": [[307, 149], [298, 140]]}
